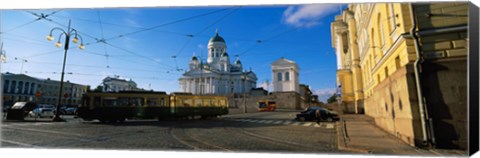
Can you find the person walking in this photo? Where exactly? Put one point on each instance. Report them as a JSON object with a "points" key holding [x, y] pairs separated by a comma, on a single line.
{"points": [[318, 115]]}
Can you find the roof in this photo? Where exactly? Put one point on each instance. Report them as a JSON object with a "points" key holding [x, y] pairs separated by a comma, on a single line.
{"points": [[225, 54], [284, 62], [216, 38]]}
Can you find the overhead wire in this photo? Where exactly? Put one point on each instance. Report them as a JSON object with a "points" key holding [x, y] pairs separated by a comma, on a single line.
{"points": [[139, 55], [169, 23], [89, 74], [198, 33], [39, 17], [266, 40], [100, 67], [103, 37]]}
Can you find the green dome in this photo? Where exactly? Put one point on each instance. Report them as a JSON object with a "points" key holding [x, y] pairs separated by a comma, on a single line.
{"points": [[238, 62], [216, 38], [225, 54], [194, 58]]}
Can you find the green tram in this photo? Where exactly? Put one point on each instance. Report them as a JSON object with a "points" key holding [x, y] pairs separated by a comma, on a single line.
{"points": [[118, 106]]}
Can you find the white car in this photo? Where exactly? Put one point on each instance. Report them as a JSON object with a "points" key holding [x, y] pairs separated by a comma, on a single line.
{"points": [[43, 111]]}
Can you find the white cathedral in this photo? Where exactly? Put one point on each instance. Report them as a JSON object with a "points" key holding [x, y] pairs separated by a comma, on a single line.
{"points": [[217, 76]]}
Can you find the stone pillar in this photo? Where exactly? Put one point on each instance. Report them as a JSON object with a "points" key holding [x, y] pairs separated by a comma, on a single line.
{"points": [[210, 86], [356, 70], [9, 86]]}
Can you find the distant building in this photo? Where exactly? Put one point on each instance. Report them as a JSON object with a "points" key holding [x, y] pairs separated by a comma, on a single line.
{"points": [[285, 76], [307, 97], [405, 65], [116, 84], [21, 87], [258, 92], [217, 75]]}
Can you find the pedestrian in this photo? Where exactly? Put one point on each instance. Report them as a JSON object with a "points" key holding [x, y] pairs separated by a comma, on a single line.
{"points": [[318, 115]]}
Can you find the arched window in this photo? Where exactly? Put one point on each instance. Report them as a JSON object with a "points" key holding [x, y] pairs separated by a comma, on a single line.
{"points": [[287, 76], [279, 76], [19, 87], [381, 30]]}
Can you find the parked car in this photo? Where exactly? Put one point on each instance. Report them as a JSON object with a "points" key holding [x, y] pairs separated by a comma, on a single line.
{"points": [[43, 110], [325, 114], [20, 110], [70, 110]]}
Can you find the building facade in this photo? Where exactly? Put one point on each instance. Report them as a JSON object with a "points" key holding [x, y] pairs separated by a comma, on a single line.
{"points": [[21, 87], [285, 76], [217, 75], [395, 64], [116, 84]]}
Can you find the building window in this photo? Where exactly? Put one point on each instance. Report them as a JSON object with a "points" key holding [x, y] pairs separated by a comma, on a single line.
{"points": [[287, 76], [381, 30], [386, 72], [27, 88], [392, 17], [5, 86], [279, 76], [397, 62], [32, 87], [20, 87]]}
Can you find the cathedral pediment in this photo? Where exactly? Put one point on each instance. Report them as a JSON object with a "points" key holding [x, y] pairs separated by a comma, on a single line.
{"points": [[282, 62], [197, 72]]}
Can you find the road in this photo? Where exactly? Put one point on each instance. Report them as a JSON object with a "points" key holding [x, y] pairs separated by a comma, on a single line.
{"points": [[250, 132]]}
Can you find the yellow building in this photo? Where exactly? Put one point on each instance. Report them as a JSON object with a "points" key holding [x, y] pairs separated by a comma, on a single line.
{"points": [[391, 54]]}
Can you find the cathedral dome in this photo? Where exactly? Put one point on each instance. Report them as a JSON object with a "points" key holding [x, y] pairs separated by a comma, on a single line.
{"points": [[194, 58], [238, 62], [225, 54], [216, 38]]}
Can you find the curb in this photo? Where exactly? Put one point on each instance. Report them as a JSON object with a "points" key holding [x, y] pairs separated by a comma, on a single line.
{"points": [[342, 141]]}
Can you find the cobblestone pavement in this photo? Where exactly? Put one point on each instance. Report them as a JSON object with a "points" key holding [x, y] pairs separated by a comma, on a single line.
{"points": [[251, 132]]}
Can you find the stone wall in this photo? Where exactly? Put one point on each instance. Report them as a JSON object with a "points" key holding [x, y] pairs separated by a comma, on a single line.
{"points": [[394, 106], [445, 89], [284, 100]]}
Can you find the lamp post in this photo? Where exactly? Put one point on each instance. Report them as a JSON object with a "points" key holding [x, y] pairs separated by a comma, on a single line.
{"points": [[75, 39], [244, 92]]}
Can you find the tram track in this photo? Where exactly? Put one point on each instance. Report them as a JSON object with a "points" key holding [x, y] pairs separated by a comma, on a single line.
{"points": [[181, 136], [297, 146]]}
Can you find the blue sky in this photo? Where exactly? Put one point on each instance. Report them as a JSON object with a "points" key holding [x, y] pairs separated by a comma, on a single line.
{"points": [[140, 42]]}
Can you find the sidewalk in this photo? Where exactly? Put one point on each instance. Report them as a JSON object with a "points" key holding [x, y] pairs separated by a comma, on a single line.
{"points": [[363, 136]]}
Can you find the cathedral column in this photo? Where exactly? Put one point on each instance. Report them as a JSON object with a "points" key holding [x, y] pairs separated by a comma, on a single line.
{"points": [[190, 85], [205, 85], [211, 85], [195, 85]]}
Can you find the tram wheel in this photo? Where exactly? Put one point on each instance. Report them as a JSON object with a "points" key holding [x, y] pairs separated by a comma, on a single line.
{"points": [[102, 120]]}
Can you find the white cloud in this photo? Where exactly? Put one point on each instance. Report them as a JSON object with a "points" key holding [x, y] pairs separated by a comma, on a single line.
{"points": [[308, 15], [324, 94], [265, 85]]}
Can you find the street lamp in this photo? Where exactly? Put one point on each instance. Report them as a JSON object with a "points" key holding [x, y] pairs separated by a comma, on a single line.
{"points": [[244, 92], [76, 38]]}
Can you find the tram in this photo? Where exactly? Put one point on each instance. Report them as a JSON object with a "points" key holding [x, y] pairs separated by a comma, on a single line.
{"points": [[118, 106], [266, 105]]}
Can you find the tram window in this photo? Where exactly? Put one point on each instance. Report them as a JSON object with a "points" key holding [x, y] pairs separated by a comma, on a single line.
{"points": [[109, 102], [96, 101], [86, 101], [122, 101], [207, 102], [136, 101], [153, 102], [198, 102], [179, 102], [215, 102], [222, 103], [162, 101], [188, 102]]}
